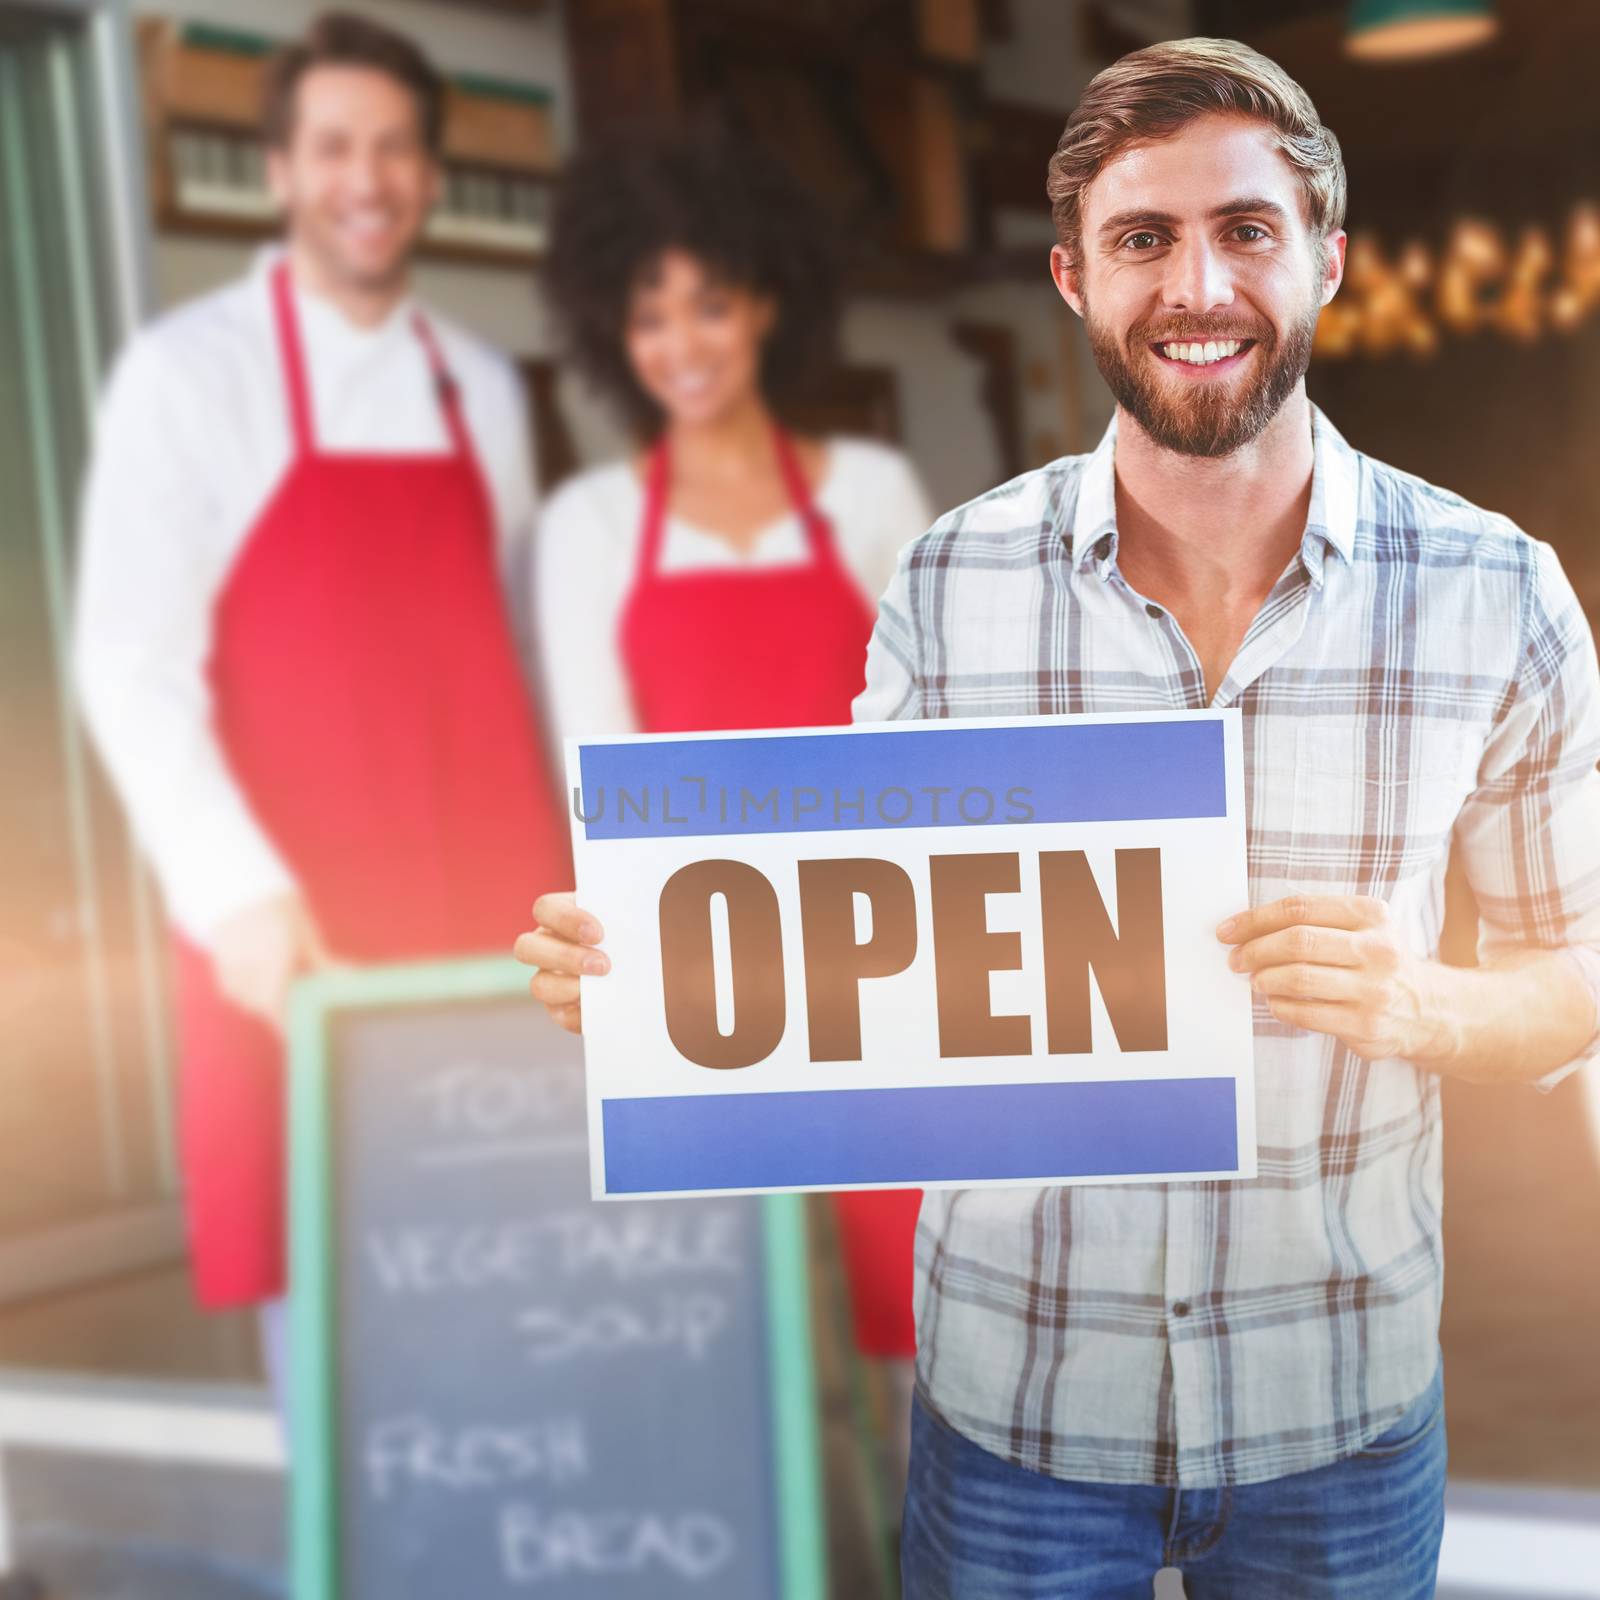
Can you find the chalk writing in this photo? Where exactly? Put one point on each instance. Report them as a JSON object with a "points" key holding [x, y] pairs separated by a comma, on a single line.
{"points": [[686, 1322], [472, 1097], [626, 1247], [538, 1546], [413, 1452]]}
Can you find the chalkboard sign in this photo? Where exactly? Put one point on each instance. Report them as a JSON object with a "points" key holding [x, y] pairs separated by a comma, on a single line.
{"points": [[502, 1386]]}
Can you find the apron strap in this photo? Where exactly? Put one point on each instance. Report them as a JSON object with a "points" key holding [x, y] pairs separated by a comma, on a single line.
{"points": [[299, 387], [294, 363], [444, 382], [657, 481], [653, 523], [819, 534]]}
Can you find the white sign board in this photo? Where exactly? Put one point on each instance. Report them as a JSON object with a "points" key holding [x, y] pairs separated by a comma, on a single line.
{"points": [[939, 954]]}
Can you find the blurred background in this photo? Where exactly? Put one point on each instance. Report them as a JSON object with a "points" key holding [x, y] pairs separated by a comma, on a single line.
{"points": [[1465, 346]]}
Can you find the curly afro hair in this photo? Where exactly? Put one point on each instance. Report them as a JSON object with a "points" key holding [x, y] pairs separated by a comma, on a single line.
{"points": [[736, 211]]}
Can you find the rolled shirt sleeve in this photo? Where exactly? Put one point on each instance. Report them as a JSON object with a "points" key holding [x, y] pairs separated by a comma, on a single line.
{"points": [[149, 568], [1530, 832]]}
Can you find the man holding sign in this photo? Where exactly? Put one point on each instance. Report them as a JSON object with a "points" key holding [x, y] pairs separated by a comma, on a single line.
{"points": [[1240, 1378]]}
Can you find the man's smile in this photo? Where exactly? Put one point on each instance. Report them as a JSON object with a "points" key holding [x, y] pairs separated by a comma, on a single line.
{"points": [[1203, 357]]}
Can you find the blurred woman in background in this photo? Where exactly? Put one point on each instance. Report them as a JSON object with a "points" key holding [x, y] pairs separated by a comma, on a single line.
{"points": [[727, 576]]}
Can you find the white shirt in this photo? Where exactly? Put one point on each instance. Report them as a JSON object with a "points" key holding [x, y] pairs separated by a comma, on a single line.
{"points": [[587, 556], [193, 437]]}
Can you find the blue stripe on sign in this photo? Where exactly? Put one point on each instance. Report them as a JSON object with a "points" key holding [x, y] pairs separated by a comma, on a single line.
{"points": [[838, 1137], [919, 778]]}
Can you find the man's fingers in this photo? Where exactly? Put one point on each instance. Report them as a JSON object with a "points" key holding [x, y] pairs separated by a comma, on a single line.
{"points": [[1314, 1016], [567, 1014], [553, 988], [562, 948], [1329, 947], [1302, 981], [1352, 912], [561, 914], [545, 950]]}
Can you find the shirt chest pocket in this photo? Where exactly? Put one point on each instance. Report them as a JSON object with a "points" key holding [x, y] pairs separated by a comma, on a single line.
{"points": [[1374, 802]]}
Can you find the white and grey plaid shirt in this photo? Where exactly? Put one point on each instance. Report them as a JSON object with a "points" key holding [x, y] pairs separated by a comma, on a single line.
{"points": [[1421, 672]]}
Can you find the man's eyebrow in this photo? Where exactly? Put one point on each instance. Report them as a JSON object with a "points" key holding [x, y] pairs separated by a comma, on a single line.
{"points": [[1251, 205], [1129, 219], [1248, 205]]}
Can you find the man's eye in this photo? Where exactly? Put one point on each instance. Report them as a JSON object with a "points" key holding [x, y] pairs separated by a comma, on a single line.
{"points": [[1142, 241], [1249, 233]]}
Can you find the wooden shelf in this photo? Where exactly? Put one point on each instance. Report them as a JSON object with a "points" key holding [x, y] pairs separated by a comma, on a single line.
{"points": [[175, 221], [202, 97]]}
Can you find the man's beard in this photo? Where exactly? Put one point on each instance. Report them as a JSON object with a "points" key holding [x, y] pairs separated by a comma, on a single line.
{"points": [[1212, 419]]}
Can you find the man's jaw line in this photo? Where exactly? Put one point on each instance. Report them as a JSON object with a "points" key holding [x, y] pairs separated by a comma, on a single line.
{"points": [[1241, 463]]}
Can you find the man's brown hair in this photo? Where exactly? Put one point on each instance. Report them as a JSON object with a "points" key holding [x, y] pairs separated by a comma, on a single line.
{"points": [[1153, 93], [338, 38]]}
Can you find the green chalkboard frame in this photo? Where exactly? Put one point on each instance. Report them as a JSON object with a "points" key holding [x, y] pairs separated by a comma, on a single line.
{"points": [[313, 1501]]}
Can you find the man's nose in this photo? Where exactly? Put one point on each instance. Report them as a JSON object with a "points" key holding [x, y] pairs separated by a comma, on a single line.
{"points": [[365, 172], [1197, 278]]}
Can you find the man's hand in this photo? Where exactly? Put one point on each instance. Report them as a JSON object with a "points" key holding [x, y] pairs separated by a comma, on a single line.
{"points": [[258, 952], [563, 946], [1332, 963]]}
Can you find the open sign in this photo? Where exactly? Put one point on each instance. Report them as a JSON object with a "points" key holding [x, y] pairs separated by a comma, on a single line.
{"points": [[1079, 942], [828, 972]]}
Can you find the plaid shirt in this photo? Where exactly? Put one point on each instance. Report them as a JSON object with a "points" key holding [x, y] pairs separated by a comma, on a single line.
{"points": [[1421, 672]]}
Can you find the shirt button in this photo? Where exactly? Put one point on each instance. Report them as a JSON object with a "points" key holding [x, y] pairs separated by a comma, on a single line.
{"points": [[1152, 611], [1180, 1308]]}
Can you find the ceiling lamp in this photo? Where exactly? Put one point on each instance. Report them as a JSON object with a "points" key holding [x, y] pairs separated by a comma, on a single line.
{"points": [[1396, 30]]}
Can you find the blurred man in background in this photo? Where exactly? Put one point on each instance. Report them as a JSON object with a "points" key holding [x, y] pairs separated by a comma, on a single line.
{"points": [[292, 643]]}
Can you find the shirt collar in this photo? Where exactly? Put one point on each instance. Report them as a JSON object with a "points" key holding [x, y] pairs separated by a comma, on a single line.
{"points": [[1330, 520], [1094, 520]]}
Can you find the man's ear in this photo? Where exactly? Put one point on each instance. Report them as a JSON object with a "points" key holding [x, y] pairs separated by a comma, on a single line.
{"points": [[1066, 279], [1333, 263]]}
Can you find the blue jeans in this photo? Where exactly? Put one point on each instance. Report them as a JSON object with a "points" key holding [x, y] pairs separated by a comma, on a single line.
{"points": [[1364, 1528]]}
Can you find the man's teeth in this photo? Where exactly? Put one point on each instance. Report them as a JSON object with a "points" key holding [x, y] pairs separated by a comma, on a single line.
{"points": [[1201, 355]]}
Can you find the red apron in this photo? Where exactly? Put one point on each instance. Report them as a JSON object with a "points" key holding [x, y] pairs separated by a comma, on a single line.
{"points": [[370, 703], [771, 647]]}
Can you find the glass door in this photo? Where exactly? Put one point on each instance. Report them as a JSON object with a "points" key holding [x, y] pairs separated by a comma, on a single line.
{"points": [[87, 1176]]}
